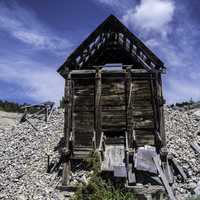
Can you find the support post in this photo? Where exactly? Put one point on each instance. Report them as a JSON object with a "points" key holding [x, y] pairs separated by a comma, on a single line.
{"points": [[98, 129], [67, 130], [156, 118], [129, 96]]}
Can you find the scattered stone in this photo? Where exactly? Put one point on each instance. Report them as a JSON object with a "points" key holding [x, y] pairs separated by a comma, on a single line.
{"points": [[182, 128], [23, 155]]}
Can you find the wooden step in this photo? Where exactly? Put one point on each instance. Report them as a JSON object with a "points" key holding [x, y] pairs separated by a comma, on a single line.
{"points": [[83, 148], [113, 157], [81, 152]]}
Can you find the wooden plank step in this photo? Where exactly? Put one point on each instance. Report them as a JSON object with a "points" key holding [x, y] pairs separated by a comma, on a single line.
{"points": [[114, 156], [80, 154], [82, 148]]}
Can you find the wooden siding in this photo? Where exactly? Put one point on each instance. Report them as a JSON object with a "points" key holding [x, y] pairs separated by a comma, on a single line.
{"points": [[115, 115]]}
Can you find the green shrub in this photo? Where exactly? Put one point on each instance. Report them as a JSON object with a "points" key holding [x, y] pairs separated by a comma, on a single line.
{"points": [[99, 188], [194, 198]]}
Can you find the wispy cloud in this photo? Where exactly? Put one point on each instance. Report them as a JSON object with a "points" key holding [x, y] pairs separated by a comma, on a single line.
{"points": [[39, 84], [168, 28], [147, 15], [151, 15], [22, 24], [117, 4]]}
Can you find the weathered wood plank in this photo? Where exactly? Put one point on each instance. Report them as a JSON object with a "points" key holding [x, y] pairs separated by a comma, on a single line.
{"points": [[114, 156], [80, 100], [83, 108], [131, 175], [196, 147], [179, 169], [113, 108], [164, 179], [83, 138], [98, 93]]}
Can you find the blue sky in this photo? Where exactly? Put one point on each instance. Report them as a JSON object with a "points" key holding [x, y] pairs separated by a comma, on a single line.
{"points": [[36, 37]]}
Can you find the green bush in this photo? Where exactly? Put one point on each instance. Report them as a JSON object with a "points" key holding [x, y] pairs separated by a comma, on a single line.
{"points": [[99, 188], [194, 198]]}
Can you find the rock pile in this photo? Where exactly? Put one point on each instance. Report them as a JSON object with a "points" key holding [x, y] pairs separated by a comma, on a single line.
{"points": [[23, 156], [23, 160], [182, 129]]}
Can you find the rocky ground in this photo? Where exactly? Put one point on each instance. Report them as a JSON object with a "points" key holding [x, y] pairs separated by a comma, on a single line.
{"points": [[23, 154], [182, 128], [23, 157]]}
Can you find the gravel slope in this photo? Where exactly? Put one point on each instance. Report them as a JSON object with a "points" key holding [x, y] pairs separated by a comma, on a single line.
{"points": [[23, 158], [23, 154], [182, 128]]}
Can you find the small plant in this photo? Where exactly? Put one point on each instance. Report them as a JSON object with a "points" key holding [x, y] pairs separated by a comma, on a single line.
{"points": [[93, 162], [98, 188], [194, 198]]}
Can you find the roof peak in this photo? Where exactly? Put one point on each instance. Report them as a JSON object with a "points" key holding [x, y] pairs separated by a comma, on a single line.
{"points": [[111, 24]]}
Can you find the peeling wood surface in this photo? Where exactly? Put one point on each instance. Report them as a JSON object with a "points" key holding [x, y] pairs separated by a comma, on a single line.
{"points": [[114, 156]]}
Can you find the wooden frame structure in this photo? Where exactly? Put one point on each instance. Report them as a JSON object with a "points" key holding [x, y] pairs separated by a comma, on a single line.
{"points": [[114, 107]]}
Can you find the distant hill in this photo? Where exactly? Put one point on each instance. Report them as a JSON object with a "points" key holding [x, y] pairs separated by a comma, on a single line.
{"points": [[186, 104], [9, 106]]}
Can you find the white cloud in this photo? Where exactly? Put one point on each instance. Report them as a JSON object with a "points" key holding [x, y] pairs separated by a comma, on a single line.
{"points": [[151, 15], [22, 24], [148, 15], [42, 41], [179, 90], [118, 5], [110, 2], [40, 84]]}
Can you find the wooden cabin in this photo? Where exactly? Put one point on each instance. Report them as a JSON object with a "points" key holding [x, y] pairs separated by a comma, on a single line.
{"points": [[113, 96]]}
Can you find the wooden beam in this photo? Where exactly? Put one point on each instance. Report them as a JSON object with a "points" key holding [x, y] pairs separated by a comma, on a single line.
{"points": [[178, 168], [128, 93], [94, 141], [67, 130], [66, 173], [195, 146], [131, 175], [163, 178], [97, 114], [155, 115]]}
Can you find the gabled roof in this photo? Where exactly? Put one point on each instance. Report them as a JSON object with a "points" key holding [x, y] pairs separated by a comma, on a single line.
{"points": [[111, 30]]}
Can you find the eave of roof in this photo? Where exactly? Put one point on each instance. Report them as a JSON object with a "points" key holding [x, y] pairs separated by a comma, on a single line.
{"points": [[111, 23]]}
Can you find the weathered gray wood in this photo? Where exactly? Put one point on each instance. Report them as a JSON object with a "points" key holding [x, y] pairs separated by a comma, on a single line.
{"points": [[114, 156], [164, 179], [131, 175], [168, 172], [66, 173], [94, 141], [144, 160], [68, 98], [67, 130], [158, 141], [83, 138], [120, 171], [196, 147], [179, 169], [98, 120]]}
